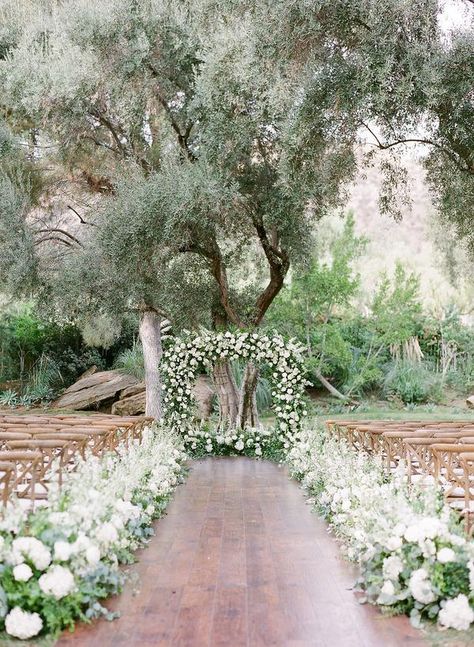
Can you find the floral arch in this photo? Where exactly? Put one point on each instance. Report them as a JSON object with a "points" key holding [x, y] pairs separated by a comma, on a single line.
{"points": [[190, 355]]}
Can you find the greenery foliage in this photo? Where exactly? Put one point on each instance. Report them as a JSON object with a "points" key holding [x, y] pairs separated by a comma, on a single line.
{"points": [[383, 343]]}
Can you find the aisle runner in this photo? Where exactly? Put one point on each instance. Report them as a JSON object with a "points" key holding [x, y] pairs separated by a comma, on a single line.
{"points": [[241, 560]]}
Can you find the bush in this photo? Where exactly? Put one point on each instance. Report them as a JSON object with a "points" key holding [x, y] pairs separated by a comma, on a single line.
{"points": [[131, 361], [412, 382]]}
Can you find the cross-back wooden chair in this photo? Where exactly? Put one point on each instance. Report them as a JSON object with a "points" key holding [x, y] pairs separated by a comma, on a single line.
{"points": [[28, 466], [52, 464], [7, 471], [449, 471], [420, 458], [466, 460]]}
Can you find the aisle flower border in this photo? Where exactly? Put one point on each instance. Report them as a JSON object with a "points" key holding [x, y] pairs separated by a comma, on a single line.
{"points": [[192, 354], [413, 554], [59, 561]]}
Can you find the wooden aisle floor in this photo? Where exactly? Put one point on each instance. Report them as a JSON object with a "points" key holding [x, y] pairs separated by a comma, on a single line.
{"points": [[240, 559]]}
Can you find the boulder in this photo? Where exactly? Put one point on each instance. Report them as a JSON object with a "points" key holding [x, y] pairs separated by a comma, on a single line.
{"points": [[470, 402], [133, 390], [132, 399], [133, 405], [95, 390]]}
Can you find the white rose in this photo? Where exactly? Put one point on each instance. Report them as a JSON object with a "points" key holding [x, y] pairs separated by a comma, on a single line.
{"points": [[239, 445], [22, 573], [446, 555], [23, 625]]}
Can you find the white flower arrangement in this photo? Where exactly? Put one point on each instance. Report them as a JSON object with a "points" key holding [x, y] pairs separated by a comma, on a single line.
{"points": [[188, 356], [256, 442], [412, 551], [70, 551]]}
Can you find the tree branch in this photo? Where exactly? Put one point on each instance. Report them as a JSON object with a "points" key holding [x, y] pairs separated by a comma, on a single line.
{"points": [[182, 137], [453, 156], [83, 222], [279, 264], [54, 238], [219, 272], [57, 230]]}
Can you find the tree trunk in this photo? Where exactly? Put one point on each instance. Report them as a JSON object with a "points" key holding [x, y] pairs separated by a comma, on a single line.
{"points": [[247, 414], [226, 393], [150, 336], [332, 389]]}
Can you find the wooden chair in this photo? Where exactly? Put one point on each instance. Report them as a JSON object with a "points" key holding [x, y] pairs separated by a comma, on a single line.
{"points": [[7, 470], [28, 466], [466, 460], [450, 473], [420, 458], [53, 460]]}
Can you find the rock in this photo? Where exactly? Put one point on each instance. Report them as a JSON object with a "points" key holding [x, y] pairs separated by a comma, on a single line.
{"points": [[132, 405], [94, 390], [132, 399], [133, 390], [90, 371], [470, 402]]}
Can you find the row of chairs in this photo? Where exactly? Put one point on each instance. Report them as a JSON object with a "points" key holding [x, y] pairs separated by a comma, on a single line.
{"points": [[433, 452], [36, 450]]}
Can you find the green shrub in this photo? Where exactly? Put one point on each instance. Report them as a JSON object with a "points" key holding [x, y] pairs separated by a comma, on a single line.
{"points": [[412, 383], [131, 361]]}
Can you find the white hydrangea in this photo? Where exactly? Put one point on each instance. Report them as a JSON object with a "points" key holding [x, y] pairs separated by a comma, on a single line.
{"points": [[127, 510], [388, 588], [392, 567], [81, 544], [415, 534], [58, 581], [22, 573], [456, 613], [446, 555], [107, 533], [33, 549], [93, 555], [23, 625], [63, 551], [470, 566], [394, 543]]}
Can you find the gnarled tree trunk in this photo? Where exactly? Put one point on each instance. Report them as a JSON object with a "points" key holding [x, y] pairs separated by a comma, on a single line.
{"points": [[227, 394], [248, 414], [150, 336]]}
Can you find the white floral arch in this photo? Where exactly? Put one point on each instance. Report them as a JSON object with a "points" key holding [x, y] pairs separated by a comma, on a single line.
{"points": [[188, 356]]}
